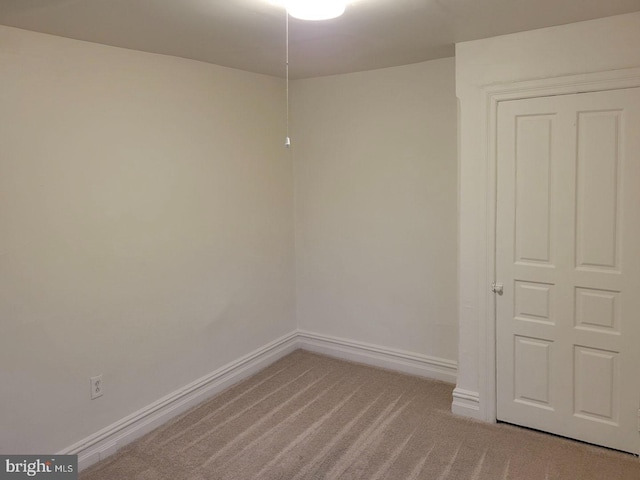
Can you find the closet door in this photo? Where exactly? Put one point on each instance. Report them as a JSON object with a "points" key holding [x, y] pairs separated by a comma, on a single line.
{"points": [[568, 255]]}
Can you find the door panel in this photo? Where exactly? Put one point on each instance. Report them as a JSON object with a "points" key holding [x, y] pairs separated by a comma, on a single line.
{"points": [[597, 179], [568, 254], [533, 188], [532, 359], [597, 384]]}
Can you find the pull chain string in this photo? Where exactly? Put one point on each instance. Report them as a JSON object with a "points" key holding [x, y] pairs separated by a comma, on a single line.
{"points": [[287, 141]]}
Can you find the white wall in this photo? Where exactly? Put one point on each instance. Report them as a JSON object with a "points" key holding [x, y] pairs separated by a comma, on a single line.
{"points": [[376, 180], [593, 46], [147, 230]]}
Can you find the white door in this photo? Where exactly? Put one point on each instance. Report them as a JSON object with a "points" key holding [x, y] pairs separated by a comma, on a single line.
{"points": [[568, 254]]}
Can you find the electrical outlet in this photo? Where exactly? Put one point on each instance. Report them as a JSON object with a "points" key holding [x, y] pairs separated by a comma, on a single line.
{"points": [[96, 387]]}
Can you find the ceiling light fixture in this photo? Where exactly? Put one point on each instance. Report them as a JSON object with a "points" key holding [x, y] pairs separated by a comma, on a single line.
{"points": [[305, 10], [313, 9], [316, 9]]}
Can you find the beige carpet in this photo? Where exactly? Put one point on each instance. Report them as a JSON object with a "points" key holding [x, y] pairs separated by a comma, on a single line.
{"points": [[312, 417]]}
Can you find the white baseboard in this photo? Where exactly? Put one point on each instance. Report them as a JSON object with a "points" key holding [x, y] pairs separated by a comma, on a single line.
{"points": [[376, 355], [108, 440], [466, 403]]}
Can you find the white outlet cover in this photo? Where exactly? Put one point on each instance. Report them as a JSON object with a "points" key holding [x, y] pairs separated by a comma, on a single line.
{"points": [[96, 386]]}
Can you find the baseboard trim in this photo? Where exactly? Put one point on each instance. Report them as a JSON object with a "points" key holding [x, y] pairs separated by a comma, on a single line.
{"points": [[376, 355], [108, 440], [466, 403]]}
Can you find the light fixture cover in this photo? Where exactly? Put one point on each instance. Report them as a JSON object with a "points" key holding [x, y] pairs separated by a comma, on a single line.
{"points": [[315, 9]]}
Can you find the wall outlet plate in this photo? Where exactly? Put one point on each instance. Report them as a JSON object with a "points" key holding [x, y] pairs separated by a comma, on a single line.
{"points": [[96, 387]]}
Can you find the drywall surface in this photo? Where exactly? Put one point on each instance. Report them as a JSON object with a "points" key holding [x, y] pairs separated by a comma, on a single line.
{"points": [[147, 230], [585, 47], [376, 178]]}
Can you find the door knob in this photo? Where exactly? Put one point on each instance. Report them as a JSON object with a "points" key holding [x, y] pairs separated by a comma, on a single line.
{"points": [[497, 288]]}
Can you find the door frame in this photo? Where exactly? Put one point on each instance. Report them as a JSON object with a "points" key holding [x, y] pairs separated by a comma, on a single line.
{"points": [[492, 95]]}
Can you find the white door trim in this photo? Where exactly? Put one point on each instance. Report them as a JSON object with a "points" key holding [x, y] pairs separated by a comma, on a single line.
{"points": [[492, 95]]}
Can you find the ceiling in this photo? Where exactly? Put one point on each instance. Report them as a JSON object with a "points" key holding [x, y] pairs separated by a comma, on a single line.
{"points": [[249, 34]]}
